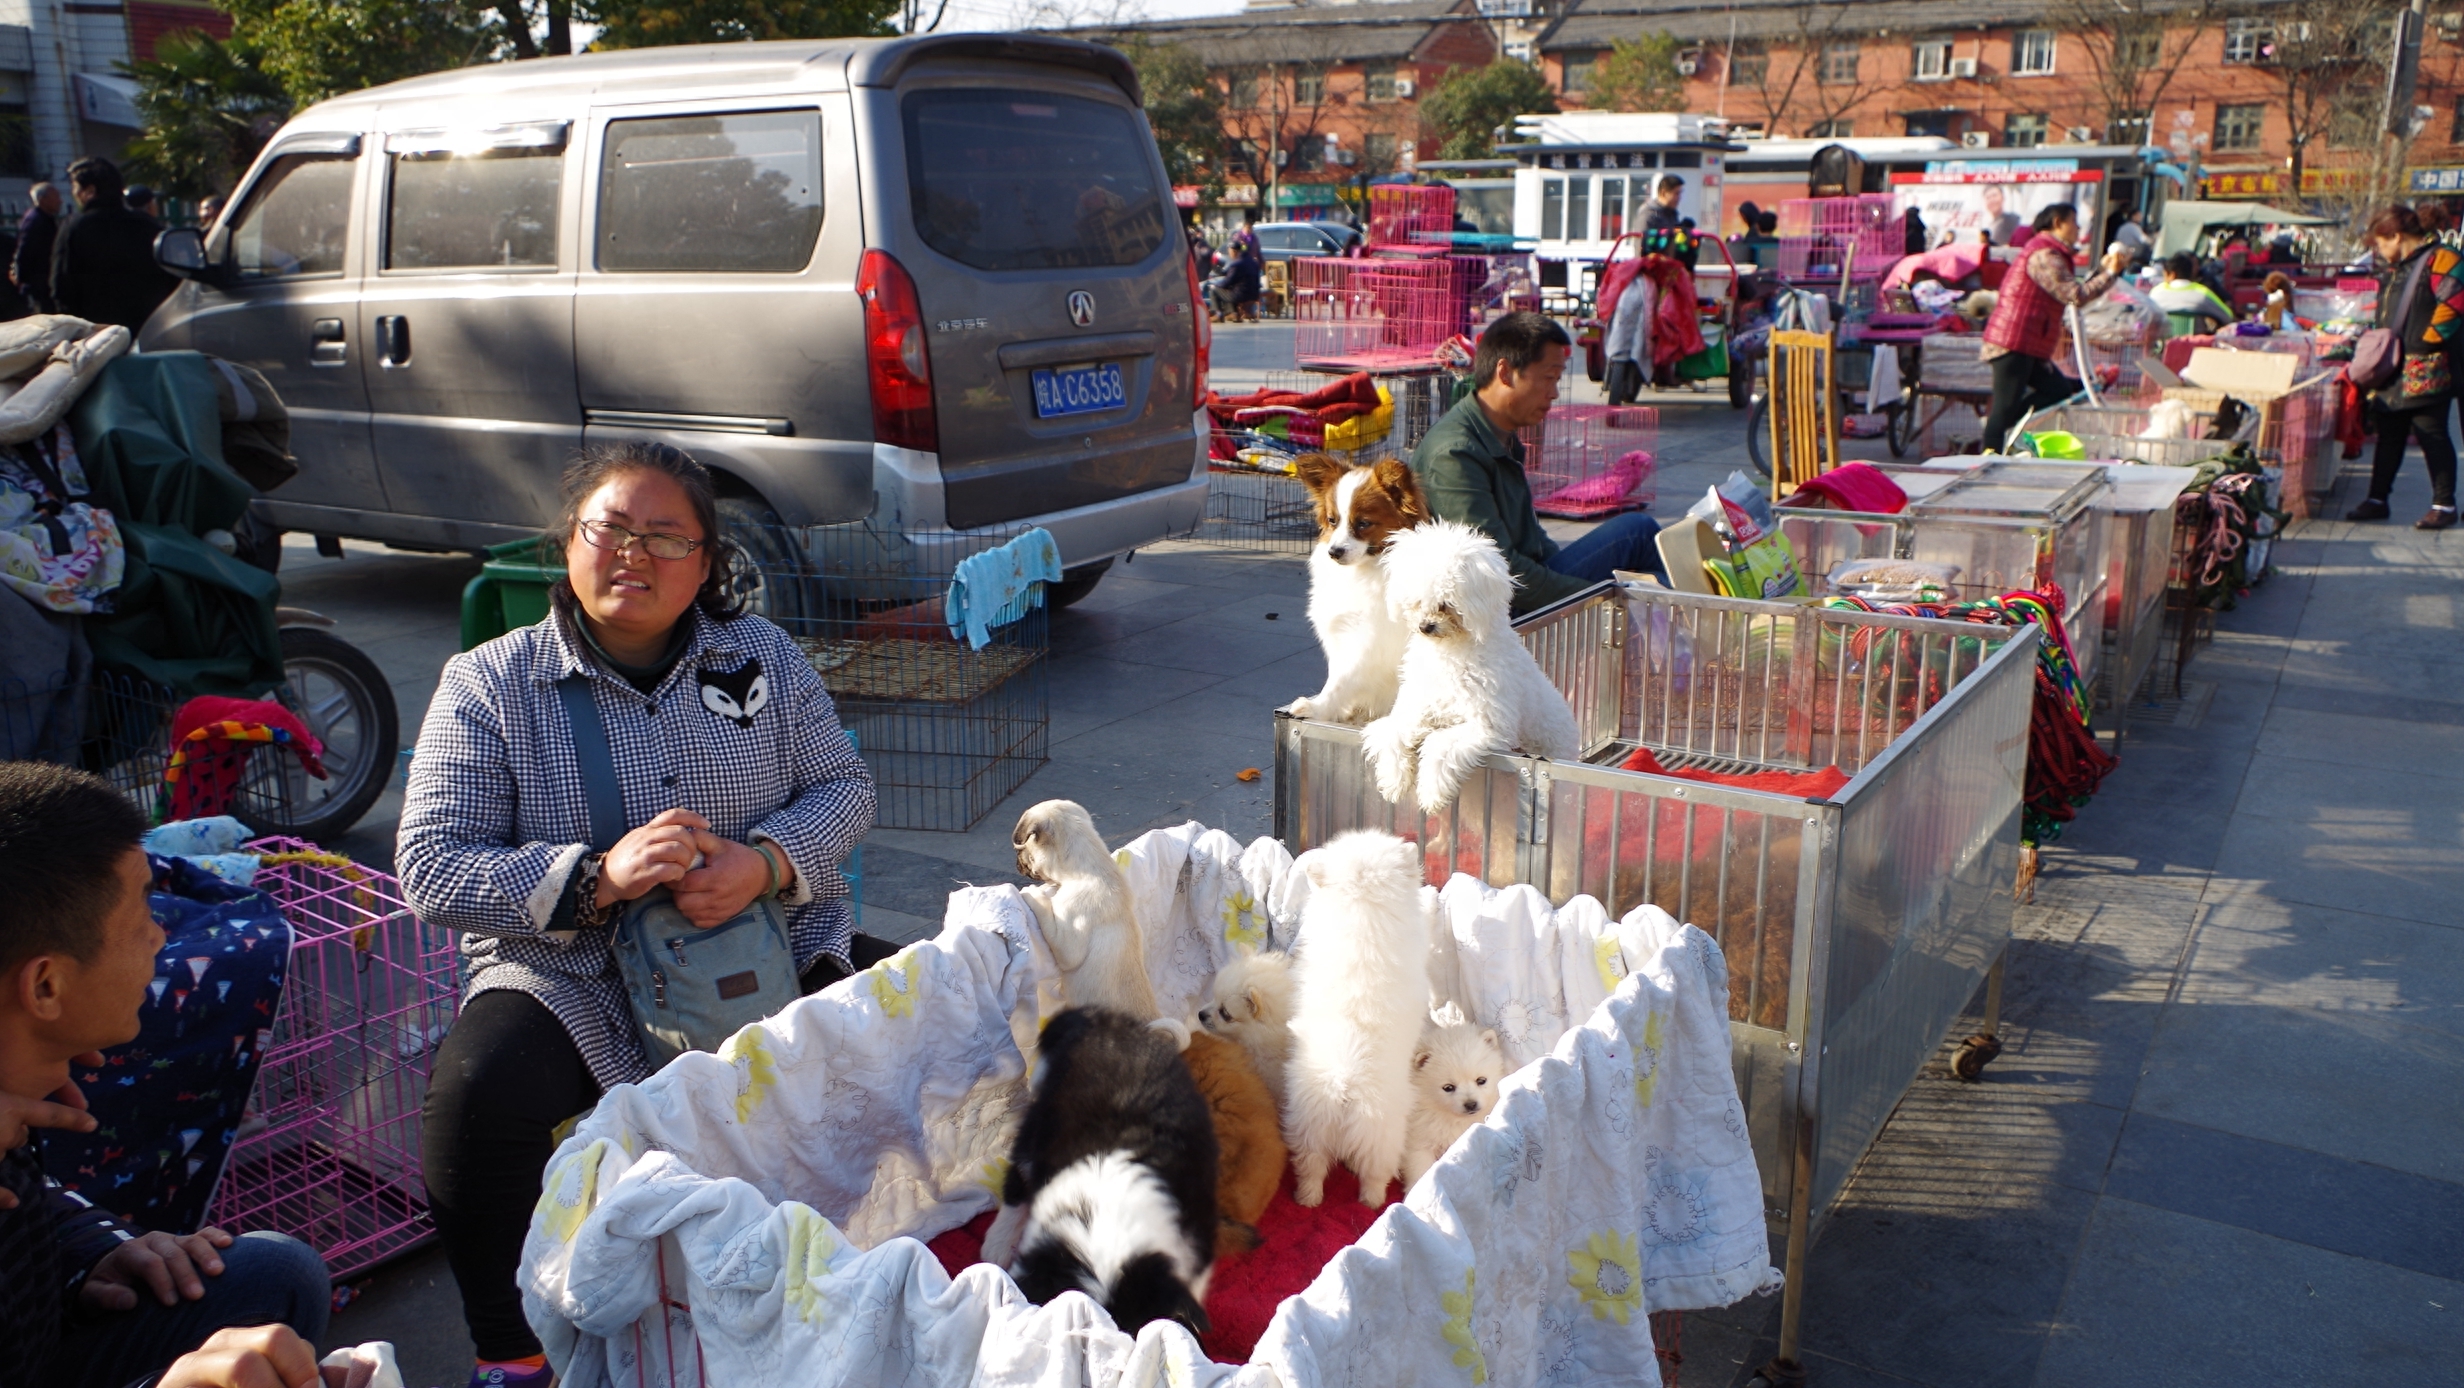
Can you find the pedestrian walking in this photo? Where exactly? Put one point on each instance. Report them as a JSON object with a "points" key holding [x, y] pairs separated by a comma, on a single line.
{"points": [[141, 199], [2026, 328], [2421, 301], [103, 268], [30, 267]]}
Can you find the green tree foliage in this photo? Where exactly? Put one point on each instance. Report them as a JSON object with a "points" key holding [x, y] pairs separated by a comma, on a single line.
{"points": [[1469, 106], [208, 107], [1185, 106], [657, 23], [321, 48], [1638, 75]]}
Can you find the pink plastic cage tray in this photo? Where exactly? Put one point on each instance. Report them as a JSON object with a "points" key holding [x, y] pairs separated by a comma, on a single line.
{"points": [[1411, 215], [1592, 460], [1859, 237], [1374, 315], [329, 1151]]}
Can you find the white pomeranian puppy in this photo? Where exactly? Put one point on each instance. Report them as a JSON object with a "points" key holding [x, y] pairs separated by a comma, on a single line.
{"points": [[1455, 1071], [1362, 997], [1252, 1004], [1359, 512], [1082, 904], [1469, 686]]}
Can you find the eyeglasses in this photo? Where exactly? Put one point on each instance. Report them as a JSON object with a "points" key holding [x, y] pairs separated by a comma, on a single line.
{"points": [[609, 535]]}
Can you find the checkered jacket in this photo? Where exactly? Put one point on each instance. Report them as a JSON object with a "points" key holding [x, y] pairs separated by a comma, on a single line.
{"points": [[496, 820]]}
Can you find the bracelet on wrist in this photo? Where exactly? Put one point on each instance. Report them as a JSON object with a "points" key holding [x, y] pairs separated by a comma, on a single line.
{"points": [[777, 872]]}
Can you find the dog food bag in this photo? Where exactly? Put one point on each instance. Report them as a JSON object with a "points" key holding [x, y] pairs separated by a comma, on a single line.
{"points": [[1759, 562]]}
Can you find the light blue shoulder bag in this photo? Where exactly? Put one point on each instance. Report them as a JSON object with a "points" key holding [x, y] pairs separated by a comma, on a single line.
{"points": [[690, 988]]}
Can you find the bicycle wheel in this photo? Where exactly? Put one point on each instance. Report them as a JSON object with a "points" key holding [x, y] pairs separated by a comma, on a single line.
{"points": [[1758, 432]]}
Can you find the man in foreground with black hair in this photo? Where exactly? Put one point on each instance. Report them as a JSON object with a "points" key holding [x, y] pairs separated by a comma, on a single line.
{"points": [[85, 1303]]}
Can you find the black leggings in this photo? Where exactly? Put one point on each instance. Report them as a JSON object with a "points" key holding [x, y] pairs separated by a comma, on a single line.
{"points": [[2022, 383], [2426, 424], [507, 1074]]}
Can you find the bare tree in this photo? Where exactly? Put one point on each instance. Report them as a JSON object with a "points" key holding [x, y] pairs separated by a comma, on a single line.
{"points": [[2318, 51], [2134, 48], [1788, 76], [1277, 105]]}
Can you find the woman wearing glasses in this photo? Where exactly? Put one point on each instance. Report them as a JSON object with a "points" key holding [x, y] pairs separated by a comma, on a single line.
{"points": [[735, 781]]}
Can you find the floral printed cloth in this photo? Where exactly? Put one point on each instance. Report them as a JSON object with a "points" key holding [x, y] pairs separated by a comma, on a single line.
{"points": [[56, 551], [756, 1216]]}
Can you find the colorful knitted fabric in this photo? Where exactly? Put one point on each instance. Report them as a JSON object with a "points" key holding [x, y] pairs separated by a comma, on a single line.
{"points": [[210, 742]]}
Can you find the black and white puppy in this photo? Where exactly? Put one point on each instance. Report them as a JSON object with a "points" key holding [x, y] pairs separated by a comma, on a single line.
{"points": [[1111, 1186]]}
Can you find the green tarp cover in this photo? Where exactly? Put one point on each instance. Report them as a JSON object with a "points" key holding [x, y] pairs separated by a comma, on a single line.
{"points": [[149, 432], [2186, 222]]}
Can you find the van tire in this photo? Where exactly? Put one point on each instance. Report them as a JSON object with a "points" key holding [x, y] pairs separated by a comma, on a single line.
{"points": [[770, 576], [1075, 584]]}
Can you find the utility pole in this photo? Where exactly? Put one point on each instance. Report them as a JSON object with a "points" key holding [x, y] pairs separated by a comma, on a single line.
{"points": [[2403, 79]]}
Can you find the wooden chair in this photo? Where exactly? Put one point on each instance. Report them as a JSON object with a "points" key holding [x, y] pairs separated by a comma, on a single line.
{"points": [[1804, 410]]}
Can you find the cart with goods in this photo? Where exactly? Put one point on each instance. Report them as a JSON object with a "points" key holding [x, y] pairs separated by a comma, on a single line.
{"points": [[1719, 312], [1835, 796]]}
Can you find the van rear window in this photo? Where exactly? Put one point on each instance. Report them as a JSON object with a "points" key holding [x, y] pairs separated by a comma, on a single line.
{"points": [[1031, 180]]}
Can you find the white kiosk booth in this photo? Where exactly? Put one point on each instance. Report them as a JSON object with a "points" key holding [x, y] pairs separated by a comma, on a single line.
{"points": [[1584, 178]]}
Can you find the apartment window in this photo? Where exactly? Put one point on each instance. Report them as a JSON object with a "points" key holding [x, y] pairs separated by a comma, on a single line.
{"points": [[1749, 65], [2032, 53], [1308, 89], [1381, 82], [2247, 40], [2353, 124], [2137, 50], [2129, 130], [2023, 131], [2238, 127], [1831, 130], [1309, 154], [1578, 71], [1933, 60], [1936, 123], [1839, 62], [1244, 90], [1380, 151], [2455, 131]]}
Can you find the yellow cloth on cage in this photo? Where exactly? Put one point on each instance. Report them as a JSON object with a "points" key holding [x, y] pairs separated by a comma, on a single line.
{"points": [[1360, 431]]}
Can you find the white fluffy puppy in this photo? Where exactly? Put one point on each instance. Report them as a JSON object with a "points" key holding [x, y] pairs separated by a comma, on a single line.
{"points": [[1362, 997], [1469, 686], [1455, 1071], [1082, 903], [1252, 1004]]}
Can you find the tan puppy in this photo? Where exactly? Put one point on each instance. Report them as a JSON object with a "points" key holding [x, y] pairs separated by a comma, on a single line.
{"points": [[1083, 905], [1248, 1137], [1253, 1005]]}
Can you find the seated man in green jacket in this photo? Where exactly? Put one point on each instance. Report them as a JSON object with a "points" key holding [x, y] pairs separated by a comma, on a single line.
{"points": [[1471, 469]]}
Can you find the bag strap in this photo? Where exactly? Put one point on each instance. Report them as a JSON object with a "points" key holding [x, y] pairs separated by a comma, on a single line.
{"points": [[2403, 316], [607, 803]]}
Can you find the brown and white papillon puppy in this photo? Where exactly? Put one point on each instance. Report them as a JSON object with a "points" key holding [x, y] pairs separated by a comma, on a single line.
{"points": [[1359, 509]]}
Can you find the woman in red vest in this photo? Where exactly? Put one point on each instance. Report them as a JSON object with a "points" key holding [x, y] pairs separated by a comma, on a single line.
{"points": [[2026, 328]]}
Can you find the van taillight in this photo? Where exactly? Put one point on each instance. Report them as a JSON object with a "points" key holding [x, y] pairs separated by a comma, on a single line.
{"points": [[1202, 333], [897, 365]]}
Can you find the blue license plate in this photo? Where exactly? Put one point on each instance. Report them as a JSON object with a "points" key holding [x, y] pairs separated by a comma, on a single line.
{"points": [[1079, 390]]}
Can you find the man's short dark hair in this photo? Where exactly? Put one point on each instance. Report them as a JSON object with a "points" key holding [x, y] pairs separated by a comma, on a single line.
{"points": [[1518, 340], [2182, 265], [99, 174], [2055, 214], [62, 836]]}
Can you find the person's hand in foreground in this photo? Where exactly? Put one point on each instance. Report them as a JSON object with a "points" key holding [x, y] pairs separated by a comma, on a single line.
{"points": [[169, 1266], [20, 1116], [256, 1356]]}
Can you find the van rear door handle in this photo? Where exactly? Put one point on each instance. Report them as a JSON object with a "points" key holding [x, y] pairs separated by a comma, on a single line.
{"points": [[393, 340], [325, 343]]}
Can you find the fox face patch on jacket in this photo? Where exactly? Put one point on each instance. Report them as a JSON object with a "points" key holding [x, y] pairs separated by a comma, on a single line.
{"points": [[736, 695]]}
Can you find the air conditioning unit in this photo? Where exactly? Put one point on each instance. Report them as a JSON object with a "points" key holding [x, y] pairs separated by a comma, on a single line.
{"points": [[1963, 67], [1977, 139], [1689, 62], [1404, 88], [2080, 134]]}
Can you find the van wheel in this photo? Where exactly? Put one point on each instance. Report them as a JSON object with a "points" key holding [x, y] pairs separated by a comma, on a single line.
{"points": [[1075, 584], [770, 578]]}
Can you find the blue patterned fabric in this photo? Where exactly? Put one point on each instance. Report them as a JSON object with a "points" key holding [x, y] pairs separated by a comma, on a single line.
{"points": [[168, 1104], [997, 587]]}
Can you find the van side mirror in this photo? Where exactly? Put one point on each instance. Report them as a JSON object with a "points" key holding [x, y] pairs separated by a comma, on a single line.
{"points": [[181, 250]]}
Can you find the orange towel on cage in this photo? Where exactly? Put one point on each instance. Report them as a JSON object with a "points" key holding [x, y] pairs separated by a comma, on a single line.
{"points": [[1805, 785], [210, 742]]}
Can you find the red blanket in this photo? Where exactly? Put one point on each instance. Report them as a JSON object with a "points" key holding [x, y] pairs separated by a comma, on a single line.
{"points": [[1346, 397], [1806, 785], [1294, 1246]]}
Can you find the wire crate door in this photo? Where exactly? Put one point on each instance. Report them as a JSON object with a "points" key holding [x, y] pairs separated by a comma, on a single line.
{"points": [[1804, 409]]}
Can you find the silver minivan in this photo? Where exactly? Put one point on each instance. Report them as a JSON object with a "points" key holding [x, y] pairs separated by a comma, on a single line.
{"points": [[938, 282]]}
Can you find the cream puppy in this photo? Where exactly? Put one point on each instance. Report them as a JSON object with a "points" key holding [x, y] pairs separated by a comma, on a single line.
{"points": [[1455, 1070], [1082, 903], [1252, 1004]]}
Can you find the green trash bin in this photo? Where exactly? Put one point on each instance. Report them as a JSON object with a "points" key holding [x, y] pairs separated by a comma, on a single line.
{"points": [[511, 590]]}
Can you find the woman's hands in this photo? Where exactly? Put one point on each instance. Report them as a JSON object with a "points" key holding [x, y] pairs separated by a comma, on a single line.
{"points": [[661, 853]]}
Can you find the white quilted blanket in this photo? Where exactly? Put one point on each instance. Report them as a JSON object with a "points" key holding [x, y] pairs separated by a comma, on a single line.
{"points": [[752, 1217]]}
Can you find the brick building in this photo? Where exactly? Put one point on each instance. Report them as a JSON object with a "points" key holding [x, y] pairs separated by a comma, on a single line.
{"points": [[2026, 73], [1322, 97]]}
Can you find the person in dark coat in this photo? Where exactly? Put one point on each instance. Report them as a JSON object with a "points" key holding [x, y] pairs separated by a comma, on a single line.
{"points": [[103, 269], [30, 268]]}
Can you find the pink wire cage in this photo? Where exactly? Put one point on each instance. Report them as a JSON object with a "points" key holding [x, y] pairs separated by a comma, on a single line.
{"points": [[1860, 237], [1592, 460], [329, 1150], [1411, 215], [1374, 315]]}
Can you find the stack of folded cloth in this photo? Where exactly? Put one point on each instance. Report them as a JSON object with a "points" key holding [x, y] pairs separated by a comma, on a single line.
{"points": [[1289, 418]]}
